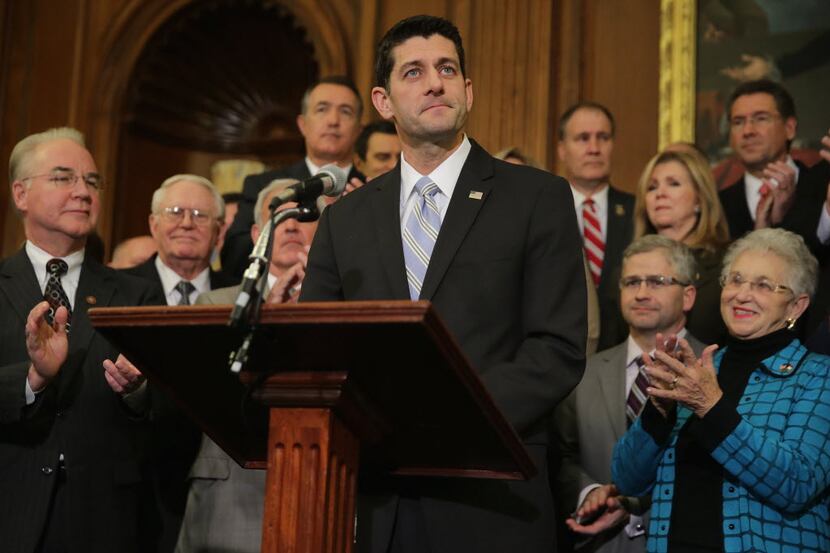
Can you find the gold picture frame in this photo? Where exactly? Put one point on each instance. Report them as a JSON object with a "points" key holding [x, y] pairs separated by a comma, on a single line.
{"points": [[676, 117]]}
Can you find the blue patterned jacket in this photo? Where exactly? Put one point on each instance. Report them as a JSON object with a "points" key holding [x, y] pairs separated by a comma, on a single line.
{"points": [[776, 461]]}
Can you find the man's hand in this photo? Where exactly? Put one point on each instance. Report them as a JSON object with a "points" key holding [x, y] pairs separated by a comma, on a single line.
{"points": [[287, 288], [122, 376], [605, 497], [353, 184], [46, 345], [781, 178]]}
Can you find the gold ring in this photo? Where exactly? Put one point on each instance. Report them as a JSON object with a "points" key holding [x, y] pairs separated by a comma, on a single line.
{"points": [[674, 382]]}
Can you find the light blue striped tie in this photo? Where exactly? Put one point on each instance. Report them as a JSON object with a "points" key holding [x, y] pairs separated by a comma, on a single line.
{"points": [[419, 235]]}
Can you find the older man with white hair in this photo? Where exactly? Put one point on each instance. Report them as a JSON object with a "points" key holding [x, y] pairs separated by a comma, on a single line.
{"points": [[225, 502], [69, 409], [187, 213]]}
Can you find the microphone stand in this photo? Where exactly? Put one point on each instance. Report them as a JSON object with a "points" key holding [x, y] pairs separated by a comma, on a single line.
{"points": [[305, 212]]}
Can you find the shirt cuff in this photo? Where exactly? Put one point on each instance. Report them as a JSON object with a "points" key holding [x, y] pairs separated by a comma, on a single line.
{"points": [[711, 430], [823, 230], [31, 395], [584, 493]]}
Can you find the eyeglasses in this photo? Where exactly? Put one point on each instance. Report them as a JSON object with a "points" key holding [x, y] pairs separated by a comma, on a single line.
{"points": [[761, 119], [68, 178], [653, 282], [175, 214], [763, 285]]}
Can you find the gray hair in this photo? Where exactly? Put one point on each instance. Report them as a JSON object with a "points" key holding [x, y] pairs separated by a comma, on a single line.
{"points": [[23, 149], [158, 195], [678, 255], [275, 185], [802, 266]]}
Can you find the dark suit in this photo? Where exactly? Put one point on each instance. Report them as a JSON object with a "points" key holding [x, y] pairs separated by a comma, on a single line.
{"points": [[507, 278], [170, 449], [740, 220], [238, 244], [618, 234], [588, 424], [77, 415]]}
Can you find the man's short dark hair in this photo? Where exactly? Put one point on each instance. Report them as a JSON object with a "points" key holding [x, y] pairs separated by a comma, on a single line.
{"points": [[420, 25], [783, 101], [232, 197], [596, 106], [361, 147], [341, 80]]}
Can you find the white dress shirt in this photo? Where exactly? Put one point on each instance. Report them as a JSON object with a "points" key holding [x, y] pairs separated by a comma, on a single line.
{"points": [[445, 176], [169, 280]]}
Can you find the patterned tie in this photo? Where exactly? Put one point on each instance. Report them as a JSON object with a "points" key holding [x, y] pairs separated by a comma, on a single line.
{"points": [[185, 288], [419, 235], [637, 396], [54, 292], [592, 239]]}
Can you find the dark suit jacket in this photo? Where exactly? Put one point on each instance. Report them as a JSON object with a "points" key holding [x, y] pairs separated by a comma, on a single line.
{"points": [[619, 231], [170, 447], [800, 219], [238, 244], [77, 415], [506, 276]]}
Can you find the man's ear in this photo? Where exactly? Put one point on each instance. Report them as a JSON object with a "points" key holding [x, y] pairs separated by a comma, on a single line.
{"points": [[380, 99], [254, 233], [20, 195], [301, 123]]}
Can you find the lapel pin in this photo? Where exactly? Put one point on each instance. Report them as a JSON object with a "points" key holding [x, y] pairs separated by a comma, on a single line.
{"points": [[785, 368], [91, 300], [476, 195], [619, 209]]}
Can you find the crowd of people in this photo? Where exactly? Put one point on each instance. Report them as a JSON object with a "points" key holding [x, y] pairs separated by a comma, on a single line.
{"points": [[699, 421]]}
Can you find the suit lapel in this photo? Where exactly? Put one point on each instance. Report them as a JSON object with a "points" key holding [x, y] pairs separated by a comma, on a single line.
{"points": [[386, 203], [19, 284], [612, 384], [461, 213]]}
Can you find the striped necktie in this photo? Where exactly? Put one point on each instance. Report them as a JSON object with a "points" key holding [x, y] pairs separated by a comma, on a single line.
{"points": [[420, 234], [592, 239], [638, 396], [185, 288]]}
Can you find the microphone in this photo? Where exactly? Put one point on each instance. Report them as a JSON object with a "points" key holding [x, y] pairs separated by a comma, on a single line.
{"points": [[329, 181], [259, 261]]}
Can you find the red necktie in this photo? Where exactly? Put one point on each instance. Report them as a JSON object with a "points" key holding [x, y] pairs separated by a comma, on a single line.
{"points": [[592, 239]]}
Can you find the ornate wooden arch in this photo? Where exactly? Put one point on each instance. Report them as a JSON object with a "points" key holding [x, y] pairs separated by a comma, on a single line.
{"points": [[128, 36]]}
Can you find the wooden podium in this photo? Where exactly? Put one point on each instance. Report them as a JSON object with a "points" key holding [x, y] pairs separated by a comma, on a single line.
{"points": [[328, 386]]}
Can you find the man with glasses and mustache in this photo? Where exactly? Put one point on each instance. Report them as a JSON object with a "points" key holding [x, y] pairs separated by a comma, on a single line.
{"points": [[656, 292], [70, 404], [763, 123], [187, 213]]}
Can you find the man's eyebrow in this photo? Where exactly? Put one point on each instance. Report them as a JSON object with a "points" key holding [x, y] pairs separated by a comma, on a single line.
{"points": [[60, 168]]}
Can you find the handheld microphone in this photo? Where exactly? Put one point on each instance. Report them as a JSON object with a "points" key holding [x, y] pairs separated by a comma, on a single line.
{"points": [[329, 181]]}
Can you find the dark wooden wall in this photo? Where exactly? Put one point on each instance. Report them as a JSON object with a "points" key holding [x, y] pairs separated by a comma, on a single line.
{"points": [[69, 62]]}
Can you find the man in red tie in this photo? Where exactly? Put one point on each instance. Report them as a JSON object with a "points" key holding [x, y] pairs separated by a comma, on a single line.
{"points": [[586, 145]]}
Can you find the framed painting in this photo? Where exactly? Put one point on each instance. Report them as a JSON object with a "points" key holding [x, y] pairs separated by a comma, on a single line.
{"points": [[707, 47]]}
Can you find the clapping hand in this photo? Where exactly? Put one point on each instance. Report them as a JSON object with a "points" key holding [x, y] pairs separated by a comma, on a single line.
{"points": [[47, 345], [685, 379]]}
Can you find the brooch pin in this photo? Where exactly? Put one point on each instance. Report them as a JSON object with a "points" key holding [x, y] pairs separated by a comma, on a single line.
{"points": [[785, 368]]}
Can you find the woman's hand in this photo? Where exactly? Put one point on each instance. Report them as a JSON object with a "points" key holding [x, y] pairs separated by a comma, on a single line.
{"points": [[685, 379], [668, 346]]}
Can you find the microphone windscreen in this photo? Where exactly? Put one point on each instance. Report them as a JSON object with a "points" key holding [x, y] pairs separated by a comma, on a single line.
{"points": [[338, 177]]}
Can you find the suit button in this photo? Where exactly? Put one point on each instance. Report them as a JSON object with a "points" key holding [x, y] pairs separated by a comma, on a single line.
{"points": [[59, 414], [731, 489], [46, 470], [731, 526]]}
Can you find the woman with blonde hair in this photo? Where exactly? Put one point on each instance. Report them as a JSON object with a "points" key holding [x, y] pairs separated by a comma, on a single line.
{"points": [[677, 198]]}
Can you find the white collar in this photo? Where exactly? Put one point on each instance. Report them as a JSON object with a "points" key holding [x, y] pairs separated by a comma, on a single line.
{"points": [[314, 169], [170, 278], [445, 176], [38, 257]]}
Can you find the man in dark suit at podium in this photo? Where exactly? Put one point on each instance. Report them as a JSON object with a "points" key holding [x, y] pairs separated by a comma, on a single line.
{"points": [[70, 404], [329, 122], [495, 247]]}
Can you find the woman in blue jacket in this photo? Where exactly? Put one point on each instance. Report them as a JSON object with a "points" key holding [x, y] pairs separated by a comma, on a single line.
{"points": [[733, 447]]}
